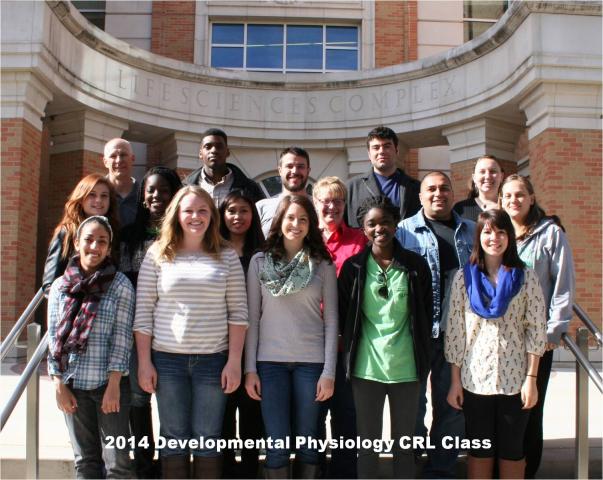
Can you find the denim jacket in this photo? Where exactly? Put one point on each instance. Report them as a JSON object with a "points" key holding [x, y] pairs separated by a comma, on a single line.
{"points": [[414, 234]]}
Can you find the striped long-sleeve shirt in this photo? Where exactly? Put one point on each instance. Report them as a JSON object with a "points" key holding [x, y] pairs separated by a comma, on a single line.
{"points": [[187, 304]]}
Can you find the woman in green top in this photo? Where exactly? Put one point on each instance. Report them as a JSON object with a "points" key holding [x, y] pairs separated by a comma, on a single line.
{"points": [[385, 318]]}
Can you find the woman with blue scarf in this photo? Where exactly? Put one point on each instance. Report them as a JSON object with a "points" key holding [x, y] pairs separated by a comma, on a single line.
{"points": [[495, 337]]}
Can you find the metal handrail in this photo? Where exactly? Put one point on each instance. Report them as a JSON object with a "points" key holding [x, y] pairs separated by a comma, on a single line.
{"points": [[583, 361], [588, 323], [13, 335], [30, 369]]}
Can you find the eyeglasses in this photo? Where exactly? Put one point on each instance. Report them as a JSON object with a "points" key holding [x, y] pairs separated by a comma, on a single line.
{"points": [[382, 280], [336, 202]]}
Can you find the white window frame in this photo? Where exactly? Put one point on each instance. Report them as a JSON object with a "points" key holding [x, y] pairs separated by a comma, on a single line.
{"points": [[284, 69]]}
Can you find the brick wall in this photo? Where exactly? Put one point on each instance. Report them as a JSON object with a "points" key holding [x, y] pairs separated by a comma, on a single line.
{"points": [[20, 152], [395, 32], [460, 174], [565, 167], [411, 162], [173, 29]]}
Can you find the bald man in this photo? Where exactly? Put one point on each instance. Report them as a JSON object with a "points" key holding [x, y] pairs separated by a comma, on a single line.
{"points": [[118, 158]]}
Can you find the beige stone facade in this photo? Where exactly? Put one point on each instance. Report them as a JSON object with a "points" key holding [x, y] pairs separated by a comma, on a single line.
{"points": [[67, 87]]}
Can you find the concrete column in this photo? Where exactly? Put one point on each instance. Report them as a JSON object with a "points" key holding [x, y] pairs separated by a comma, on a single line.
{"points": [[177, 150], [23, 101], [470, 140], [564, 142]]}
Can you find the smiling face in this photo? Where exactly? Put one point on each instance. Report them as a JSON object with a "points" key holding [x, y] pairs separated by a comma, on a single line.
{"points": [[118, 159], [379, 227], [194, 216], [97, 201], [214, 152], [436, 197], [494, 241], [296, 224], [238, 216], [294, 172], [330, 208], [93, 246], [516, 200], [157, 195], [487, 176], [383, 154]]}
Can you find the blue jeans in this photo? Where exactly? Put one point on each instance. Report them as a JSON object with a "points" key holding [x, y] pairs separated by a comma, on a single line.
{"points": [[89, 429], [441, 463], [286, 386], [190, 399]]}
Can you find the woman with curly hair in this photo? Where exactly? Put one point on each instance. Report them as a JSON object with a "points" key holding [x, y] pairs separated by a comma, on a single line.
{"points": [[93, 195], [155, 191], [291, 347], [191, 317]]}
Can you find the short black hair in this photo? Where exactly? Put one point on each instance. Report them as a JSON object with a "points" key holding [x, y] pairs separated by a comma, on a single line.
{"points": [[297, 151], [437, 172], [383, 133], [216, 132], [382, 203]]}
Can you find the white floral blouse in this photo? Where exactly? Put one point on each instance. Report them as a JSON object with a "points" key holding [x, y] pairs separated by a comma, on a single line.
{"points": [[492, 353]]}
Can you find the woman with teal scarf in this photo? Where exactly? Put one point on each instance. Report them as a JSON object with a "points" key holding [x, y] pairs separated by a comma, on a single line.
{"points": [[291, 344], [495, 337]]}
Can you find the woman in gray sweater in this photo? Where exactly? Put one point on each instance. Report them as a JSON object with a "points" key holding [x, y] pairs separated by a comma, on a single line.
{"points": [[291, 345]]}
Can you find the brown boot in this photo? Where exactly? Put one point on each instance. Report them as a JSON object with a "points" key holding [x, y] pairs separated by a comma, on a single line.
{"points": [[207, 467], [479, 467], [511, 468], [175, 466]]}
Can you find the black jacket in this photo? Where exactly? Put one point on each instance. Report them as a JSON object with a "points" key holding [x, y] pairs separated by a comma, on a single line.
{"points": [[365, 186], [55, 265], [240, 182], [350, 287]]}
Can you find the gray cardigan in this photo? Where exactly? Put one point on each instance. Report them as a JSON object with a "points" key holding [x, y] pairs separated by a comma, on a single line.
{"points": [[292, 328], [547, 251]]}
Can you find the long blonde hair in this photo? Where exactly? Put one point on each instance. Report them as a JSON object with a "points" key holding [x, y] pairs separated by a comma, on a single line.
{"points": [[171, 234]]}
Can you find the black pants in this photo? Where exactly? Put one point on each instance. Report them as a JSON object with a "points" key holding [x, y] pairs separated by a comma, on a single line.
{"points": [[369, 398], [250, 427], [533, 438]]}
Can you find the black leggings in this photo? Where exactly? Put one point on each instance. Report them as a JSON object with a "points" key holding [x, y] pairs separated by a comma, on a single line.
{"points": [[498, 418]]}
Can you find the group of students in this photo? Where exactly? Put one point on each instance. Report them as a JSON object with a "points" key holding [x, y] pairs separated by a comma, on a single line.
{"points": [[314, 316]]}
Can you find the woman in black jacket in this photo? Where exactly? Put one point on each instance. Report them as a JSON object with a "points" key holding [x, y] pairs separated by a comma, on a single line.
{"points": [[385, 318]]}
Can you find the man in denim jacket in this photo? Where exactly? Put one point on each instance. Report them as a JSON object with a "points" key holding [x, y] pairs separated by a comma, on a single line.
{"points": [[445, 240]]}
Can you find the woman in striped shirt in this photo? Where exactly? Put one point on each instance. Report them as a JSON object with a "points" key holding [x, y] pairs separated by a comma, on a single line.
{"points": [[191, 317]]}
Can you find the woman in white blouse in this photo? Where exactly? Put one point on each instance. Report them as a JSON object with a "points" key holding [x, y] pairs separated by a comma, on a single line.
{"points": [[191, 317], [495, 337]]}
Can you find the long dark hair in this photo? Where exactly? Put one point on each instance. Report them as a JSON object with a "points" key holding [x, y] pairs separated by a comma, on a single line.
{"points": [[254, 238], [536, 212], [274, 243], [137, 233], [500, 220]]}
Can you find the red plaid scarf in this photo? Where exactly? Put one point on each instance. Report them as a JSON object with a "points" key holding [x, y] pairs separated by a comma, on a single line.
{"points": [[83, 297]]}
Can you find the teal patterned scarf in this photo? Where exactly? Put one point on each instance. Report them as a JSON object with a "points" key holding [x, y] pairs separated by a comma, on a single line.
{"points": [[281, 278]]}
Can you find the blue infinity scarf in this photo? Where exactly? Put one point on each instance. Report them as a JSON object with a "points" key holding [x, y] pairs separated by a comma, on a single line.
{"points": [[487, 301]]}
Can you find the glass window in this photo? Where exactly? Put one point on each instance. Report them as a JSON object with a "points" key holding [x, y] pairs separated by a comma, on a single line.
{"points": [[227, 57], [93, 11], [342, 37], [284, 47], [342, 60], [264, 46], [304, 47], [479, 16], [228, 34]]}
